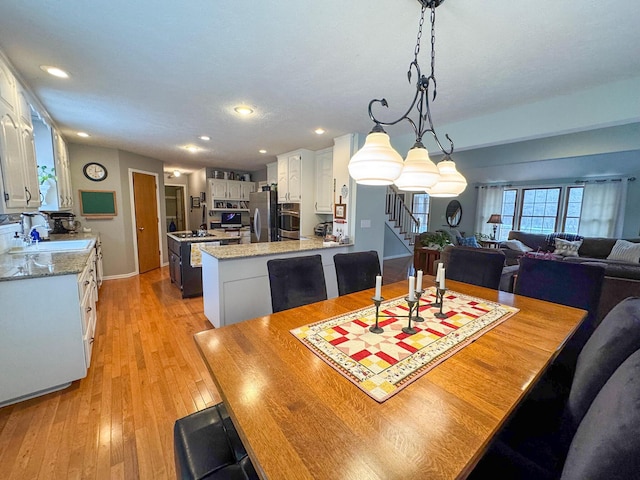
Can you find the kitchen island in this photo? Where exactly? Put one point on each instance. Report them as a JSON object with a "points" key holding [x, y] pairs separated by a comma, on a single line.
{"points": [[235, 279]]}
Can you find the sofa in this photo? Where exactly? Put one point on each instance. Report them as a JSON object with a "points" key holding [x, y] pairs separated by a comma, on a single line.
{"points": [[622, 278]]}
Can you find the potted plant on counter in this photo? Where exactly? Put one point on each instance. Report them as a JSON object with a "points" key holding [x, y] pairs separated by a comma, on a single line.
{"points": [[44, 175]]}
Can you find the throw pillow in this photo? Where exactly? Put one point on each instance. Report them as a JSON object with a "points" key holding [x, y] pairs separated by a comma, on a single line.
{"points": [[517, 245], [567, 248], [469, 242], [625, 251]]}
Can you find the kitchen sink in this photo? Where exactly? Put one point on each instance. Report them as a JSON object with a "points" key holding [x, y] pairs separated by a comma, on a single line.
{"points": [[54, 246]]}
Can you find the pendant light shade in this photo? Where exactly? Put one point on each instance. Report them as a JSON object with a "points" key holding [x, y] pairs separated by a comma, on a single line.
{"points": [[451, 183], [418, 172], [376, 163]]}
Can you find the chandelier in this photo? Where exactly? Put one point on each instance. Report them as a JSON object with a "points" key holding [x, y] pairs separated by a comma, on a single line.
{"points": [[377, 163]]}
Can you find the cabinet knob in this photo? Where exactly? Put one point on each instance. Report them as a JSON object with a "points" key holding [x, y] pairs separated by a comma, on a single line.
{"points": [[86, 282], [141, 229], [89, 309]]}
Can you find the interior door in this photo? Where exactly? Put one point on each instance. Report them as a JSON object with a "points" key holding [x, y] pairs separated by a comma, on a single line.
{"points": [[144, 199]]}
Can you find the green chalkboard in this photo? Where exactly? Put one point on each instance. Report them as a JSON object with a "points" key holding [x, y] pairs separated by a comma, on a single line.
{"points": [[98, 203]]}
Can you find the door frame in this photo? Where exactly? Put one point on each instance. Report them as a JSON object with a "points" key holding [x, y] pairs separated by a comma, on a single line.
{"points": [[184, 194], [133, 216]]}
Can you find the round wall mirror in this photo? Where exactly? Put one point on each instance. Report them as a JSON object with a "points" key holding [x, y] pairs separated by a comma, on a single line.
{"points": [[454, 213]]}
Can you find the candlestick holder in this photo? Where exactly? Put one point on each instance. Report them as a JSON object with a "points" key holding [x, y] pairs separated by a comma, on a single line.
{"points": [[409, 330], [376, 328], [439, 314], [417, 317], [437, 303]]}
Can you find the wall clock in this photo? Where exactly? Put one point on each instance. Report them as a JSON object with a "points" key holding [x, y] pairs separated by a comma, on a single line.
{"points": [[95, 171]]}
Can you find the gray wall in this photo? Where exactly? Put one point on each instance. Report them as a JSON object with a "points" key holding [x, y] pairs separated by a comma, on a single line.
{"points": [[197, 183], [116, 233]]}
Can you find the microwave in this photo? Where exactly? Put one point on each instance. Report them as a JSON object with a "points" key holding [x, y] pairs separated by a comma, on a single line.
{"points": [[289, 221]]}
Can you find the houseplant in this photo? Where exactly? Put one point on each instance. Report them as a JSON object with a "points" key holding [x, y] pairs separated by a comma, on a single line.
{"points": [[44, 174], [435, 240]]}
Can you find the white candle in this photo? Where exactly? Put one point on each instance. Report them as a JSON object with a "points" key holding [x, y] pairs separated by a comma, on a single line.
{"points": [[419, 281], [442, 280], [412, 288], [439, 273], [378, 287]]}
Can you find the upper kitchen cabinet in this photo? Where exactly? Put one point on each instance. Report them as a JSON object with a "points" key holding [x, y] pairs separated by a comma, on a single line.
{"points": [[230, 190], [295, 176], [272, 173], [324, 181], [63, 172]]}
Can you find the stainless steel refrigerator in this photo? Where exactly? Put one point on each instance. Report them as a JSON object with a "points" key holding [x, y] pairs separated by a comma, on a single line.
{"points": [[263, 209]]}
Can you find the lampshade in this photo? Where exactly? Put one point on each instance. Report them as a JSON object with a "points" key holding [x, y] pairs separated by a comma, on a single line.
{"points": [[451, 183], [495, 218], [418, 172], [376, 163]]}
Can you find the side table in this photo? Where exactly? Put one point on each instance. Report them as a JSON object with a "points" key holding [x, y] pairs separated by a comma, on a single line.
{"points": [[424, 258], [489, 243]]}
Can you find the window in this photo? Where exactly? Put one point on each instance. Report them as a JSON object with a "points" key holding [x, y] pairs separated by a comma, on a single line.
{"points": [[508, 214], [541, 210], [420, 209], [574, 209]]}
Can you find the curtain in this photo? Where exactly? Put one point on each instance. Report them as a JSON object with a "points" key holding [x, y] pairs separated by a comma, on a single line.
{"points": [[489, 202], [603, 209]]}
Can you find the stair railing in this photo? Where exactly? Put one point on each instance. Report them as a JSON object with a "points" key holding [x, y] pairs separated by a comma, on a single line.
{"points": [[401, 215]]}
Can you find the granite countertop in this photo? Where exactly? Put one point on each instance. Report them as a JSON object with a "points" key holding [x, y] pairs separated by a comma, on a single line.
{"points": [[269, 248], [45, 264]]}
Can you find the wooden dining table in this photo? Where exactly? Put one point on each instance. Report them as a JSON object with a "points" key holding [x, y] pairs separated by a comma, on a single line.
{"points": [[299, 418]]}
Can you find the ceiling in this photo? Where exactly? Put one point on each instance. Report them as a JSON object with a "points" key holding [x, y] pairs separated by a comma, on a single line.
{"points": [[151, 76]]}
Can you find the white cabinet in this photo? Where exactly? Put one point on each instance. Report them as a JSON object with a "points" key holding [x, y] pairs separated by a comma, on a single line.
{"points": [[233, 190], [63, 172], [290, 177], [296, 184], [45, 348], [19, 182], [247, 189], [272, 173], [324, 181]]}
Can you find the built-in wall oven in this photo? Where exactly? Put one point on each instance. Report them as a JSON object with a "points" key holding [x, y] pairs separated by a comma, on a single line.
{"points": [[289, 224]]}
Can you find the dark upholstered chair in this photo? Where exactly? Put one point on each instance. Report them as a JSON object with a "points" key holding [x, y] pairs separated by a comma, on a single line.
{"points": [[296, 281], [207, 446], [478, 266], [356, 271], [542, 430], [605, 446], [571, 284]]}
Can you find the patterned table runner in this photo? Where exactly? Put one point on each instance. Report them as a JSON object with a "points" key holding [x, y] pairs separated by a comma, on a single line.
{"points": [[383, 364]]}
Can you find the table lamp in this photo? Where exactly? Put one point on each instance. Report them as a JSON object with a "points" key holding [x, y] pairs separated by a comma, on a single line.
{"points": [[496, 219]]}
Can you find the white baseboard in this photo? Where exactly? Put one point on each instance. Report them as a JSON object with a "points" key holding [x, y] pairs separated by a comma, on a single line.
{"points": [[124, 275]]}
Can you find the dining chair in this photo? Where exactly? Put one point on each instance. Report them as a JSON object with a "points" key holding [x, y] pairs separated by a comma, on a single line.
{"points": [[605, 445], [356, 271], [573, 284], [296, 281], [542, 430], [478, 266]]}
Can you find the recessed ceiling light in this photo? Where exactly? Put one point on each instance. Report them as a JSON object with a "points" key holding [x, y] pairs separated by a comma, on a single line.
{"points": [[55, 71], [262, 150], [319, 131], [176, 173], [192, 148], [83, 134], [206, 138], [243, 110]]}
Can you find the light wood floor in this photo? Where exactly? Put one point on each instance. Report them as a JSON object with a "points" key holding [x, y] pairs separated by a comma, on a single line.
{"points": [[117, 422], [145, 373]]}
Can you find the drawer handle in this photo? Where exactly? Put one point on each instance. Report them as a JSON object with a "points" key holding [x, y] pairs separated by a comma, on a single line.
{"points": [[91, 341], [86, 282], [89, 309]]}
